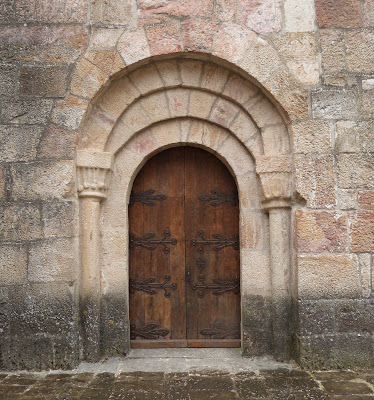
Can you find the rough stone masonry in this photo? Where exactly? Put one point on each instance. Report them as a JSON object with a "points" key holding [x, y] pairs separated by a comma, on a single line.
{"points": [[89, 89]]}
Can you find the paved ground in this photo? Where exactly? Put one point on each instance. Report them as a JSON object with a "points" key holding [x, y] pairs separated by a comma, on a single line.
{"points": [[252, 379]]}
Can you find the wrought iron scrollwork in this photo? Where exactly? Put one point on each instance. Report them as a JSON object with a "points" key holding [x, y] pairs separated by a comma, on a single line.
{"points": [[147, 197], [219, 242], [150, 286], [219, 197], [219, 331], [149, 243], [151, 331], [218, 286]]}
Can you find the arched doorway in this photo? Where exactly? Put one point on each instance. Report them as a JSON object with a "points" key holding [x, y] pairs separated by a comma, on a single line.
{"points": [[184, 252]]}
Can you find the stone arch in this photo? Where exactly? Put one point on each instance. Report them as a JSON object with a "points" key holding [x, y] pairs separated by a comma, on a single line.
{"points": [[185, 102]]}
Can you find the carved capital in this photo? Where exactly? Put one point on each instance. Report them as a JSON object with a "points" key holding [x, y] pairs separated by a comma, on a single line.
{"points": [[93, 170]]}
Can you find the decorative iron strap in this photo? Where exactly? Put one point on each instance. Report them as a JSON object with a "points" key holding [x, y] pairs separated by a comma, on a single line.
{"points": [[219, 197], [219, 241], [151, 331], [149, 243], [220, 331], [146, 197], [150, 286], [218, 286]]}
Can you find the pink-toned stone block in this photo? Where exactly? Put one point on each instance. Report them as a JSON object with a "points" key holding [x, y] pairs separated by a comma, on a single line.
{"points": [[338, 13], [362, 231], [133, 46], [223, 112], [143, 144], [178, 101], [239, 89], [202, 8], [109, 61], [198, 34], [262, 16], [233, 41], [58, 142], [164, 39], [366, 199], [320, 231], [225, 10]]}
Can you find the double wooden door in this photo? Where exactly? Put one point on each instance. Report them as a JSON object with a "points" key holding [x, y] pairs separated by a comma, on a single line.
{"points": [[184, 252]]}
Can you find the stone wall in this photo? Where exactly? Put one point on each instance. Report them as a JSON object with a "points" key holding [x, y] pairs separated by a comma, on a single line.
{"points": [[313, 59]]}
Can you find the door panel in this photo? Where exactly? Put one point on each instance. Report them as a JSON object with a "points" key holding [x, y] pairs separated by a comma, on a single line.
{"points": [[184, 293]]}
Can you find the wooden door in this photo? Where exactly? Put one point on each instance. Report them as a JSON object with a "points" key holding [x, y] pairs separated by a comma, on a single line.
{"points": [[184, 252]]}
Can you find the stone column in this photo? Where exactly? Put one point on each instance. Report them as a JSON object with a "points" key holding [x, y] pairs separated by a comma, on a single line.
{"points": [[275, 177], [93, 169]]}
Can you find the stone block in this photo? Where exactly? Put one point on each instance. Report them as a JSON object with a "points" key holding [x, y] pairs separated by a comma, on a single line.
{"points": [[239, 89], [198, 34], [255, 273], [321, 231], [7, 12], [156, 106], [223, 112], [301, 53], [347, 199], [164, 39], [360, 50], [178, 100], [299, 16], [42, 308], [247, 132], [19, 143], [315, 179], [368, 11], [203, 8], [43, 11], [87, 79], [25, 111], [355, 170], [338, 13], [225, 10], [53, 43], [20, 222], [328, 276], [53, 261], [233, 41], [104, 38], [190, 71], [312, 136], [169, 72], [201, 104], [362, 231], [354, 137], [13, 264], [8, 78], [109, 61], [111, 13], [146, 79], [364, 263], [69, 112], [263, 16], [334, 104], [340, 79], [276, 140], [366, 199], [59, 219], [316, 317], [58, 142], [43, 180], [65, 352], [355, 316], [4, 317], [2, 182], [214, 78], [333, 51], [252, 230], [43, 81], [296, 104], [367, 101], [206, 134], [133, 46]]}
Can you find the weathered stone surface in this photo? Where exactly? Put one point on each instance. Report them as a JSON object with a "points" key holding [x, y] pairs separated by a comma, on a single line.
{"points": [[42, 180], [59, 219], [7, 12], [19, 143], [203, 8], [320, 231], [334, 104], [198, 34], [42, 43], [360, 50], [164, 39], [316, 317], [69, 112], [109, 61], [354, 137], [111, 13], [361, 175], [315, 180], [328, 276], [366, 199], [52, 261], [300, 51], [338, 13], [20, 222], [299, 16], [347, 199], [364, 264], [8, 78], [133, 46], [362, 231], [25, 111], [312, 136], [367, 101], [355, 316], [43, 81], [57, 142], [225, 10], [2, 182], [261, 16], [44, 11], [368, 13], [13, 264], [333, 51]]}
